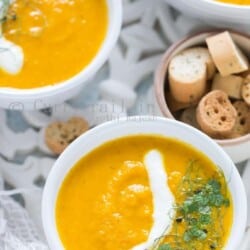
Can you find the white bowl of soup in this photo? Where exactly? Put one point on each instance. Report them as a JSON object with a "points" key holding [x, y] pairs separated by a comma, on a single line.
{"points": [[56, 47], [144, 183], [221, 13]]}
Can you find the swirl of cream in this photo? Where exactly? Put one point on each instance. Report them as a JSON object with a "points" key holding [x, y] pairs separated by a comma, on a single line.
{"points": [[11, 55], [163, 199]]}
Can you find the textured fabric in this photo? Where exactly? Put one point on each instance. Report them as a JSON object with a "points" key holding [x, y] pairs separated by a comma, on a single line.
{"points": [[17, 231]]}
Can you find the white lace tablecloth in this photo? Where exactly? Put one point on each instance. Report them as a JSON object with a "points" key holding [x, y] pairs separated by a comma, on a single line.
{"points": [[122, 87]]}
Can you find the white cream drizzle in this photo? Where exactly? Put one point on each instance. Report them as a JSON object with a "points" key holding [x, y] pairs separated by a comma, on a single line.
{"points": [[163, 199], [11, 55]]}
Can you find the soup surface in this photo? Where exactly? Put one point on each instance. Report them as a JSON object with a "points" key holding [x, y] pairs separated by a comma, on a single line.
{"points": [[106, 201], [239, 2], [58, 38]]}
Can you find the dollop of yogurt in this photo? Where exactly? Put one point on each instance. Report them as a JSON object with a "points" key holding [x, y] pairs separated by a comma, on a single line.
{"points": [[11, 56], [163, 199]]}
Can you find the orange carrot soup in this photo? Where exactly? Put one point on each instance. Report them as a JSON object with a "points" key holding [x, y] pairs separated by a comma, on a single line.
{"points": [[144, 192], [58, 38], [239, 2]]}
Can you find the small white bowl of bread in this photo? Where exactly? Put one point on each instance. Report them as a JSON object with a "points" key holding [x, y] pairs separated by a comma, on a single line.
{"points": [[204, 81]]}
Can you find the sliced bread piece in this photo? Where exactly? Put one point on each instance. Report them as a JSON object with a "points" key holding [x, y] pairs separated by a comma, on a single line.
{"points": [[58, 135], [229, 84], [202, 55], [227, 57], [216, 115], [187, 77], [242, 126], [246, 90]]}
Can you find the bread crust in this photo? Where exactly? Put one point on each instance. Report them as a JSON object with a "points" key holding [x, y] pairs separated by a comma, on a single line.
{"points": [[231, 85], [203, 56], [185, 90], [226, 55], [58, 135], [246, 90], [216, 115], [242, 126]]}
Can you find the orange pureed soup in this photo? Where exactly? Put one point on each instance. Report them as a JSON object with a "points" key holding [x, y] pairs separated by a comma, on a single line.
{"points": [[239, 2], [107, 201], [59, 38]]}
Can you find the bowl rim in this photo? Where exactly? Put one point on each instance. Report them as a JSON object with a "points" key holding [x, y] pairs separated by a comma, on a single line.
{"points": [[211, 11], [227, 5], [226, 8], [159, 82], [51, 232], [114, 14]]}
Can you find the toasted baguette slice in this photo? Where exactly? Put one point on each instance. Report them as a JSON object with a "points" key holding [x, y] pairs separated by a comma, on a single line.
{"points": [[187, 77], [216, 115], [202, 55], [227, 57], [58, 135], [242, 126], [229, 84], [246, 90]]}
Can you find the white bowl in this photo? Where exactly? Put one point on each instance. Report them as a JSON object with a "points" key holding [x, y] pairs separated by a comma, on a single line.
{"points": [[211, 11], [135, 126], [38, 98], [238, 149]]}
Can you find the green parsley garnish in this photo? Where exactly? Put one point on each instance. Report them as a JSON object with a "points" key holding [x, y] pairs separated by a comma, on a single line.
{"points": [[197, 209], [197, 212], [165, 247], [4, 6]]}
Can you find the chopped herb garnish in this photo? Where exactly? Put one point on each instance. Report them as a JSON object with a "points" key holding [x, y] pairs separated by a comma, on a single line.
{"points": [[4, 6], [165, 247], [194, 233], [197, 210], [196, 214]]}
